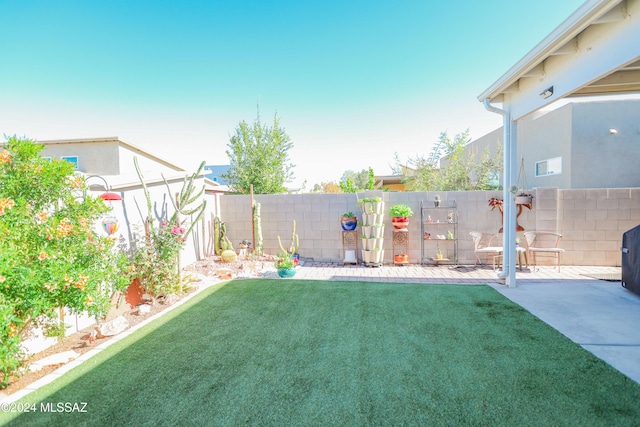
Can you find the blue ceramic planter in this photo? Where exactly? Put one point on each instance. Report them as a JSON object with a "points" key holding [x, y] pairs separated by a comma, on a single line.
{"points": [[349, 224], [287, 272]]}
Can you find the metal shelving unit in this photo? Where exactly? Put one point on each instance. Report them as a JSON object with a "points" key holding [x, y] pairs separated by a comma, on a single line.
{"points": [[439, 227]]}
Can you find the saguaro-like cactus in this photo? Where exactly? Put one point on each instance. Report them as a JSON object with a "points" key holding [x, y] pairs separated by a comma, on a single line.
{"points": [[295, 242]]}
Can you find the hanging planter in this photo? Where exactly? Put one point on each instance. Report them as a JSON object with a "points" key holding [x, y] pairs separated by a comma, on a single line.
{"points": [[523, 199]]}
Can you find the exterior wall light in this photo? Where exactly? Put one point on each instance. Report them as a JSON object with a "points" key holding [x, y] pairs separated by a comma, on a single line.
{"points": [[547, 92]]}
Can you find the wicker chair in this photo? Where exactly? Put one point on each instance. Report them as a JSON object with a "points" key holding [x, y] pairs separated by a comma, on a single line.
{"points": [[482, 245], [544, 243]]}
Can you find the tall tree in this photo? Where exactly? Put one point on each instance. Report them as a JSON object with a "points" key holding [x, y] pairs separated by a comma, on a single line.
{"points": [[463, 170], [327, 187], [353, 182], [258, 155]]}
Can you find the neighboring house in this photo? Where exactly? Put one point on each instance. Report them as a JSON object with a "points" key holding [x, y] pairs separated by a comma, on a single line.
{"points": [[108, 165], [390, 183], [394, 182], [592, 144]]}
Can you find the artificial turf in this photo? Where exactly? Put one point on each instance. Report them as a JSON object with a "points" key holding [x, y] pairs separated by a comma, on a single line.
{"points": [[289, 352]]}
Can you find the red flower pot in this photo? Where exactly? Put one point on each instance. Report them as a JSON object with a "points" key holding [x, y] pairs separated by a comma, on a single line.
{"points": [[400, 222]]}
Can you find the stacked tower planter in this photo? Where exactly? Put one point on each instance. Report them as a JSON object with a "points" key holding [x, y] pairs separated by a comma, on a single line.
{"points": [[372, 232]]}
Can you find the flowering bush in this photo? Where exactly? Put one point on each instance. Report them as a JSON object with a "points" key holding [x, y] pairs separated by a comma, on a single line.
{"points": [[50, 257], [155, 259], [285, 260], [156, 255]]}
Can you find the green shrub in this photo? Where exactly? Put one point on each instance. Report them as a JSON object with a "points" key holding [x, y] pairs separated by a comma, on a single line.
{"points": [[50, 255]]}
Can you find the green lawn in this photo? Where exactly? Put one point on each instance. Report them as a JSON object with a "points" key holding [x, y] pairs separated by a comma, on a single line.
{"points": [[289, 352]]}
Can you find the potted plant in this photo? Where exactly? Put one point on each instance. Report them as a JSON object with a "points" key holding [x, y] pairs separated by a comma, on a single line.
{"points": [[285, 265], [523, 198], [401, 258], [366, 205], [348, 221], [436, 201], [400, 215], [377, 205], [293, 247]]}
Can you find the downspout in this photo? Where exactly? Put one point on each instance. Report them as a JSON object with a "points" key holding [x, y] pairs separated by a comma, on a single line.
{"points": [[505, 188]]}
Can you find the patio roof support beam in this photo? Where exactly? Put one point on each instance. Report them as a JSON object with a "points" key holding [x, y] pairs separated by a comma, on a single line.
{"points": [[509, 219]]}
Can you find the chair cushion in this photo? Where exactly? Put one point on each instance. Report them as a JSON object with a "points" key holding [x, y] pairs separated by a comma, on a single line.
{"points": [[546, 249], [490, 249]]}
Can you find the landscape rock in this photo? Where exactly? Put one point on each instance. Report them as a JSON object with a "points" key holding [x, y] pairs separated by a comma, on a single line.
{"points": [[113, 327], [144, 309]]}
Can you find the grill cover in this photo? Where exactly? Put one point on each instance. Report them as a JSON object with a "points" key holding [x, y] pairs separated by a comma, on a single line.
{"points": [[631, 260]]}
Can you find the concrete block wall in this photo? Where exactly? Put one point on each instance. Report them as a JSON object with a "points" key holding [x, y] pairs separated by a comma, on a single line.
{"points": [[591, 221], [317, 219]]}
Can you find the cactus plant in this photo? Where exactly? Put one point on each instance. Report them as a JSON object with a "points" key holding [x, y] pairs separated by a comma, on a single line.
{"points": [[295, 242]]}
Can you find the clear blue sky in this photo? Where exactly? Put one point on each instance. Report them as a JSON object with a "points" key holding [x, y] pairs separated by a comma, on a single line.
{"points": [[352, 81]]}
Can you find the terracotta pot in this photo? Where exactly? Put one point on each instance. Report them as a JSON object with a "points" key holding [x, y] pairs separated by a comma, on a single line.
{"points": [[401, 258], [400, 222]]}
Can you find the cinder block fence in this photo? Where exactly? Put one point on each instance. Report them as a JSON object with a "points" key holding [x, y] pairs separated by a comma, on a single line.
{"points": [[592, 221]]}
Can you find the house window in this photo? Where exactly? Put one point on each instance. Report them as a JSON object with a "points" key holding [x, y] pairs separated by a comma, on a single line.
{"points": [[549, 167], [71, 159]]}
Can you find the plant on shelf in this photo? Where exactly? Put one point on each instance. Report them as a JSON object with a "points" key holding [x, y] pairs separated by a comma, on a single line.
{"points": [[348, 221], [400, 215], [401, 258]]}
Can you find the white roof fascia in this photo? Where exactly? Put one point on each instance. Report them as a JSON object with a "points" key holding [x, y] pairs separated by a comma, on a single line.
{"points": [[584, 16]]}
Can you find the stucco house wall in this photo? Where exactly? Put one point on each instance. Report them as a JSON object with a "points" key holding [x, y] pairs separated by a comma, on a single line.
{"points": [[580, 134], [107, 156], [112, 159], [99, 158], [606, 144], [543, 136]]}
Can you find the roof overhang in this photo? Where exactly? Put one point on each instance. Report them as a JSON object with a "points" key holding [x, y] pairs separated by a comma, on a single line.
{"points": [[593, 52]]}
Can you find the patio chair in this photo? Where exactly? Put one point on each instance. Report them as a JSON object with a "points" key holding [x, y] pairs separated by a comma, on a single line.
{"points": [[543, 243], [482, 245]]}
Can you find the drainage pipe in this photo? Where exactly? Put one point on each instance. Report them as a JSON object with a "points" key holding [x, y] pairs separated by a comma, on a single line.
{"points": [[508, 272]]}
